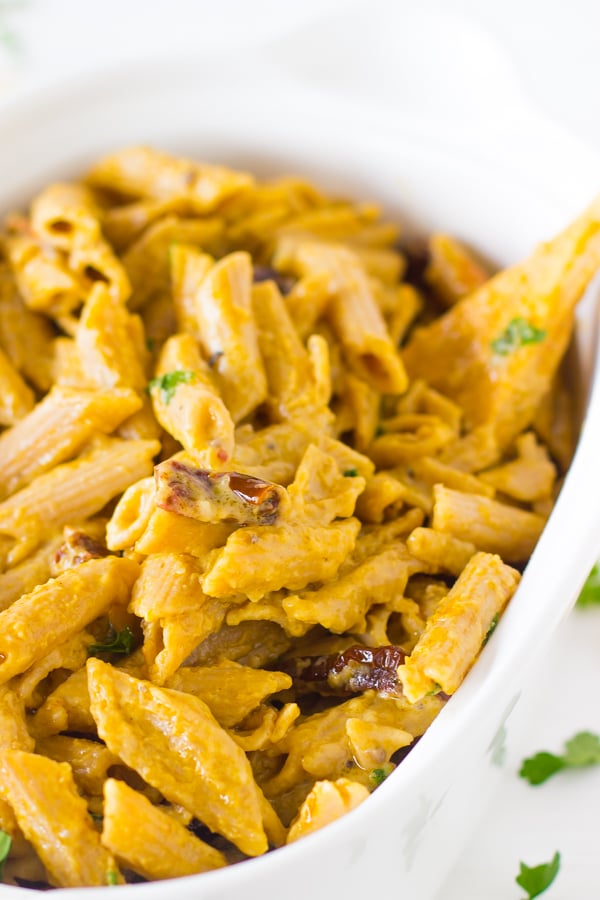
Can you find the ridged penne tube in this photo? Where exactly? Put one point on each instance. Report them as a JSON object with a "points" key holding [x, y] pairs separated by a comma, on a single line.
{"points": [[43, 277], [353, 310], [363, 404], [474, 451], [307, 301], [342, 605], [497, 350], [147, 260], [142, 425], [441, 552], [111, 342], [34, 570], [13, 728], [231, 691], [452, 271], [175, 637], [332, 222], [433, 471], [318, 746], [373, 744], [57, 429], [280, 446], [66, 367], [409, 436], [67, 708], [54, 817], [529, 477], [187, 403], [55, 611], [68, 655], [228, 334], [382, 492], [145, 172], [77, 490], [131, 515], [174, 742], [189, 266], [124, 223], [373, 538], [555, 423], [150, 842], [326, 802], [321, 492], [268, 609], [263, 558], [167, 532], [26, 337], [89, 760], [492, 526], [66, 214], [169, 584], [16, 398], [286, 361], [421, 398], [455, 632], [409, 303]]}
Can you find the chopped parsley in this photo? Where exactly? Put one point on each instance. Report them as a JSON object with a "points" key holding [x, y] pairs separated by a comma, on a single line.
{"points": [[519, 333], [112, 877], [150, 344], [378, 776], [537, 879], [168, 383], [582, 750], [5, 842], [491, 629], [379, 430], [351, 473], [590, 593], [116, 642], [436, 689]]}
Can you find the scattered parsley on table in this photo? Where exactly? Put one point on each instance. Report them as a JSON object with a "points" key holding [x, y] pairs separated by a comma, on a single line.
{"points": [[536, 879], [590, 592], [582, 750]]}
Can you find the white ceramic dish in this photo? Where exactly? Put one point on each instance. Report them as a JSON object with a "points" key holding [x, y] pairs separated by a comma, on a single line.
{"points": [[422, 169]]}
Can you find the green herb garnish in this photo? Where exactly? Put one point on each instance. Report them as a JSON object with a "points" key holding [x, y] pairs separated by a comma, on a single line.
{"points": [[378, 776], [168, 383], [351, 473], [116, 642], [537, 879], [150, 345], [436, 689], [519, 333], [491, 629], [582, 750], [590, 593], [112, 877], [5, 843]]}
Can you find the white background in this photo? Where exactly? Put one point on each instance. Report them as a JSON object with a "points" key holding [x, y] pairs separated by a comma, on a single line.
{"points": [[554, 49]]}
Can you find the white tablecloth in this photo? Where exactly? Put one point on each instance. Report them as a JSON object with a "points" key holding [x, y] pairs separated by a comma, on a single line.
{"points": [[553, 47]]}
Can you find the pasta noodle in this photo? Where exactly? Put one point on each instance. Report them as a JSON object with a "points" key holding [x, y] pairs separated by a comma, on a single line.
{"points": [[259, 505]]}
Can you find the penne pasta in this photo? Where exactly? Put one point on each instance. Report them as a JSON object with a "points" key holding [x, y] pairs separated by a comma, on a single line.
{"points": [[264, 469]]}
